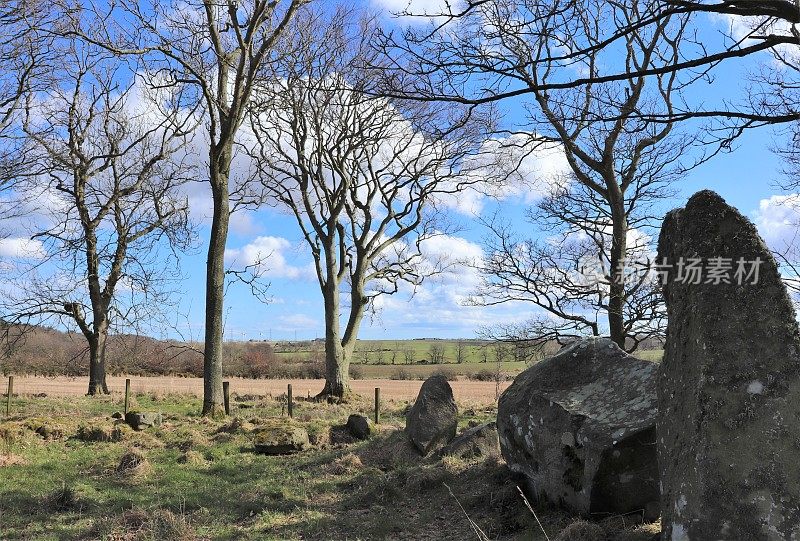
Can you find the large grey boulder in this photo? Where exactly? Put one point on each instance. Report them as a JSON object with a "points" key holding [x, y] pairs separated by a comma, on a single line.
{"points": [[279, 437], [141, 420], [432, 420], [581, 427], [729, 387], [479, 441]]}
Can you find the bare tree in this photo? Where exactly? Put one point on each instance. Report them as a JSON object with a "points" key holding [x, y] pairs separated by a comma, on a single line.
{"points": [[215, 49], [436, 353], [362, 175], [461, 352], [105, 181], [619, 161], [409, 355], [29, 53]]}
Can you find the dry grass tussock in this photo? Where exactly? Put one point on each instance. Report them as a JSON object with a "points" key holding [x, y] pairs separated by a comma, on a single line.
{"points": [[152, 525], [133, 464]]}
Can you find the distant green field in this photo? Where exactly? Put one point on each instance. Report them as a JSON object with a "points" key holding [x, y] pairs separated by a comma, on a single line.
{"points": [[422, 351], [412, 359], [423, 371], [654, 355]]}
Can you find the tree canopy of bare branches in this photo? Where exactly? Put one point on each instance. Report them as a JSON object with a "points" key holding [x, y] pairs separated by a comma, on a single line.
{"points": [[363, 176], [214, 49], [102, 181], [619, 162]]}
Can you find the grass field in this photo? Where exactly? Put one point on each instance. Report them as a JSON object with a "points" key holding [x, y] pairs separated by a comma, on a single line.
{"points": [[475, 355], [414, 351], [195, 478]]}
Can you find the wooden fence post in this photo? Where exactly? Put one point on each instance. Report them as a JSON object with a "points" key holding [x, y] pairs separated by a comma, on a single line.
{"points": [[10, 393], [289, 400], [127, 395], [377, 405], [226, 391]]}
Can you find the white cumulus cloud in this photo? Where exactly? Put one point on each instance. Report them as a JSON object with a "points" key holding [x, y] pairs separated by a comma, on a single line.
{"points": [[21, 248], [777, 219], [270, 254]]}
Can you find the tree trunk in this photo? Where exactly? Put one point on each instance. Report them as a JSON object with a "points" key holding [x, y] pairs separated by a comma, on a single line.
{"points": [[213, 400], [97, 365], [337, 355], [616, 301]]}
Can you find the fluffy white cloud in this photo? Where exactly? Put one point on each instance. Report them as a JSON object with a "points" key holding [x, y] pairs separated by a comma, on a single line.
{"points": [[777, 219], [522, 168], [269, 253], [21, 248], [416, 7], [440, 303]]}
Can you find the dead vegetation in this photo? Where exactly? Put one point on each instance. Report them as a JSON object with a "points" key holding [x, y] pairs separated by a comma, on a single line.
{"points": [[193, 478]]}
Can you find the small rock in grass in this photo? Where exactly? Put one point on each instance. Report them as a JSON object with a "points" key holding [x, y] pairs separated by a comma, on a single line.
{"points": [[140, 421], [359, 426], [281, 438]]}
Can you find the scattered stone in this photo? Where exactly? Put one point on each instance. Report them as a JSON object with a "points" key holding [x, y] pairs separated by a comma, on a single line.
{"points": [[281, 438], [141, 420], [480, 441], [432, 420], [359, 426], [580, 426], [729, 386]]}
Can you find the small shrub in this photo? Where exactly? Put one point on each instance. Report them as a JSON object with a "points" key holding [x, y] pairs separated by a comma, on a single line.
{"points": [[159, 524], [484, 375], [99, 433], [449, 374], [401, 374], [356, 372], [193, 458], [133, 463], [61, 500], [8, 436]]}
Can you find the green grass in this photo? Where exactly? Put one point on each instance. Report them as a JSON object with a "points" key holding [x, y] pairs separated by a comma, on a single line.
{"points": [[203, 481], [423, 371], [382, 351]]}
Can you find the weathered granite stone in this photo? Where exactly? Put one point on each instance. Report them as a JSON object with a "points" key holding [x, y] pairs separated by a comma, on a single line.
{"points": [[432, 420], [280, 437], [359, 426], [581, 427], [479, 441], [729, 387], [141, 420]]}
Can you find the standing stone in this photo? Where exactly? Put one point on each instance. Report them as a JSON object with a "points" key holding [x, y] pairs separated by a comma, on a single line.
{"points": [[581, 427], [358, 426], [729, 386], [432, 420]]}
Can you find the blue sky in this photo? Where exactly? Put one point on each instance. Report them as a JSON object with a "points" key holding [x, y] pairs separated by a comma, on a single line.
{"points": [[747, 178]]}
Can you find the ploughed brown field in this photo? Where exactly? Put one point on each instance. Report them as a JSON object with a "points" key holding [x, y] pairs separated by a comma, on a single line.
{"points": [[473, 391]]}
